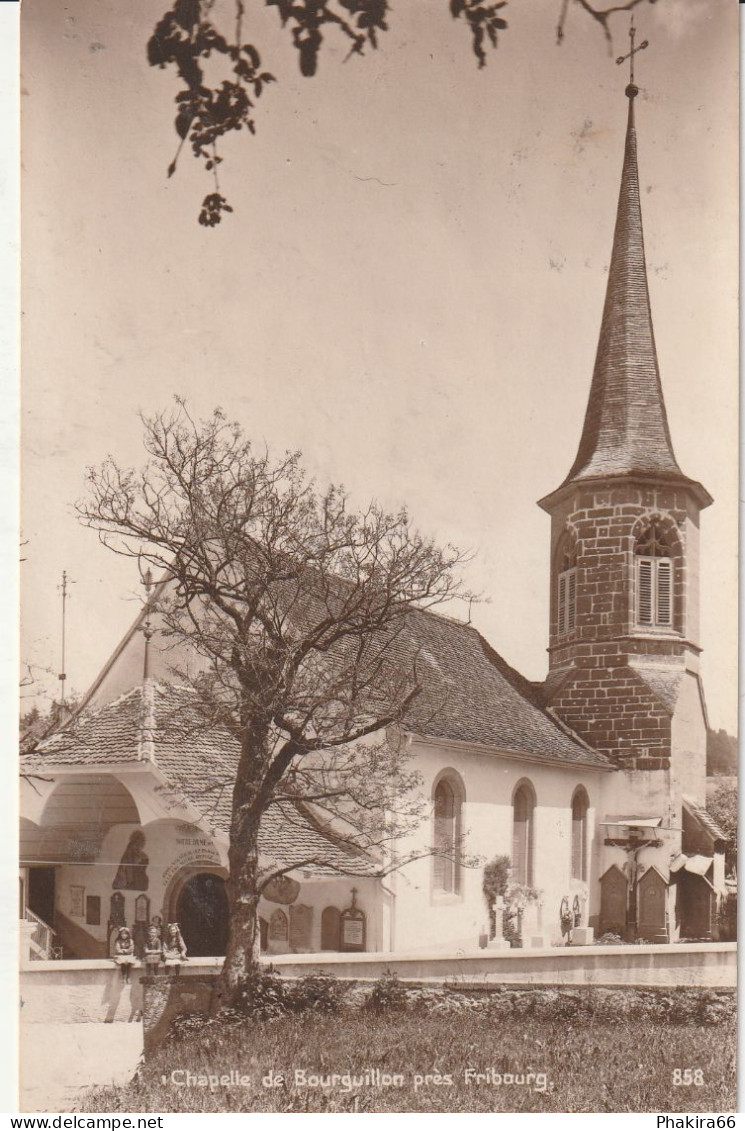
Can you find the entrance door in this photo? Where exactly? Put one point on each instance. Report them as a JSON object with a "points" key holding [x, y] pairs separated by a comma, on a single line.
{"points": [[202, 913], [41, 893]]}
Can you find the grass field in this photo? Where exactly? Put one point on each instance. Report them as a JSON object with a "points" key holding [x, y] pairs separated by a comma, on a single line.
{"points": [[572, 1066]]}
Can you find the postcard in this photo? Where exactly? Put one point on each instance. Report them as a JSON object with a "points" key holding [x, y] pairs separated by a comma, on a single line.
{"points": [[379, 443]]}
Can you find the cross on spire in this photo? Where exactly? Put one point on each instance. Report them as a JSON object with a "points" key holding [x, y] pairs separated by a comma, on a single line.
{"points": [[632, 90]]}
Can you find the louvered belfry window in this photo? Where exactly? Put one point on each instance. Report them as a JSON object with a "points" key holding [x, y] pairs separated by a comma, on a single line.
{"points": [[447, 814], [654, 579], [567, 601], [566, 596], [522, 835]]}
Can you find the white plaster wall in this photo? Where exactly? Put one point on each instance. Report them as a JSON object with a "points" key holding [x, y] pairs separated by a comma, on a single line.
{"points": [[318, 893], [689, 742], [428, 921]]}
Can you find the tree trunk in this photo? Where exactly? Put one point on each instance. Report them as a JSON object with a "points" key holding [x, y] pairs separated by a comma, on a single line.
{"points": [[242, 955]]}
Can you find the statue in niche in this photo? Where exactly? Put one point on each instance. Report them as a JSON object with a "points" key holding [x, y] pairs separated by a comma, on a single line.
{"points": [[132, 871]]}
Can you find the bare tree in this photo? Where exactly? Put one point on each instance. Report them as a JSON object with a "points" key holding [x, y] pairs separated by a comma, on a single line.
{"points": [[297, 606]]}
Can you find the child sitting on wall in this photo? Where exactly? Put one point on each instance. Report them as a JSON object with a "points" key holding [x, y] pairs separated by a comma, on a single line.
{"points": [[153, 954], [174, 949], [124, 952]]}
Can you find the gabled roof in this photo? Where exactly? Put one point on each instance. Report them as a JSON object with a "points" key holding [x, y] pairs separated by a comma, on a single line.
{"points": [[626, 431], [469, 693]]}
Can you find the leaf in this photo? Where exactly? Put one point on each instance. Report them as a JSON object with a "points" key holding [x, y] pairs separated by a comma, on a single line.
{"points": [[183, 121], [186, 13], [252, 54]]}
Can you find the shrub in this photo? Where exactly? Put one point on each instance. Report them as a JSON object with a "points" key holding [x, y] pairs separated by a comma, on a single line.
{"points": [[319, 992], [387, 995], [263, 995]]}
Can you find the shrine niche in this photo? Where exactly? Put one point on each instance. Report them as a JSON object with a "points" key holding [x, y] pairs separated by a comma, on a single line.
{"points": [[651, 907], [330, 928], [353, 927], [697, 906], [614, 891], [301, 923], [132, 871]]}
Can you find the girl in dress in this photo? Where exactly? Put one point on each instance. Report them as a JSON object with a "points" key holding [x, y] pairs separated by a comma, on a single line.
{"points": [[153, 955], [124, 952], [174, 950]]}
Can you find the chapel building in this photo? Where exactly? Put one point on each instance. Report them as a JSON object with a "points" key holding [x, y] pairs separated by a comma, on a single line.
{"points": [[593, 784]]}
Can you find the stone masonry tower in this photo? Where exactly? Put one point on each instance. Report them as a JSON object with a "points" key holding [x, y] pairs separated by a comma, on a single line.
{"points": [[624, 627]]}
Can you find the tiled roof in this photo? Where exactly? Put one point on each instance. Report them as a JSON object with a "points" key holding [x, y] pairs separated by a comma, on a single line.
{"points": [[469, 693], [665, 683], [705, 819], [625, 430], [197, 761], [107, 734]]}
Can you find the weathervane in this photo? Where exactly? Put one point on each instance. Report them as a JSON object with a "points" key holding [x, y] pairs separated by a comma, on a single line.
{"points": [[631, 89]]}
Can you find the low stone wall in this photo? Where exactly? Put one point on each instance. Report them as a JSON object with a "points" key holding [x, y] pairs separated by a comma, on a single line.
{"points": [[92, 990], [683, 964]]}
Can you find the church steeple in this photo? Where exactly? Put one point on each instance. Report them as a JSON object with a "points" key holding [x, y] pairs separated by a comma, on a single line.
{"points": [[625, 430], [624, 611]]}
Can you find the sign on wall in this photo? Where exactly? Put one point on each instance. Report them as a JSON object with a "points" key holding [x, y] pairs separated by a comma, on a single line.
{"points": [[301, 922], [353, 927], [278, 927]]}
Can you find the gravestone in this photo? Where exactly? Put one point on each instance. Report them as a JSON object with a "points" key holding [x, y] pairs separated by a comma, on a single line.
{"points": [[651, 907], [613, 901]]}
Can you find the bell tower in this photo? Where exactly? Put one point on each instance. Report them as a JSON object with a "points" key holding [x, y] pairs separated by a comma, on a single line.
{"points": [[624, 620]]}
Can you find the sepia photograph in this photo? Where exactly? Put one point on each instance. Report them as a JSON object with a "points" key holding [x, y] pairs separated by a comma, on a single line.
{"points": [[378, 557]]}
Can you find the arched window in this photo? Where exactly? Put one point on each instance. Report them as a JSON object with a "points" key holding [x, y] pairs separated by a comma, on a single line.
{"points": [[654, 577], [448, 801], [580, 805], [566, 592], [523, 834]]}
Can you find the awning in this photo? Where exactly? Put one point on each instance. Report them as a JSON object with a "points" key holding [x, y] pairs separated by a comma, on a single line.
{"points": [[698, 865], [635, 822]]}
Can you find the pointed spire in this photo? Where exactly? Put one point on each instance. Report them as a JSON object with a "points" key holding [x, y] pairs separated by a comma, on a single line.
{"points": [[626, 430]]}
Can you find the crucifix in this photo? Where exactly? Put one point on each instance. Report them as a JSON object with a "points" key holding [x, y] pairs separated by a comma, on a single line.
{"points": [[632, 52]]}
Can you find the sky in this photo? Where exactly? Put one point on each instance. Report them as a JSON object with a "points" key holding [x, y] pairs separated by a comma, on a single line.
{"points": [[409, 289]]}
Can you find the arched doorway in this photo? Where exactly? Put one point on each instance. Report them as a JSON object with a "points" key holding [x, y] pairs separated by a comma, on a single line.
{"points": [[202, 914]]}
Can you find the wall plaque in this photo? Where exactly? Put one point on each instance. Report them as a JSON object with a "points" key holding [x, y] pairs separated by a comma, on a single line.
{"points": [[301, 922], [278, 926], [281, 890], [353, 927], [77, 895]]}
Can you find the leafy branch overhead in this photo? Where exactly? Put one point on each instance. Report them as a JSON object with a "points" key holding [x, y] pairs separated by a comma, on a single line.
{"points": [[188, 39]]}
